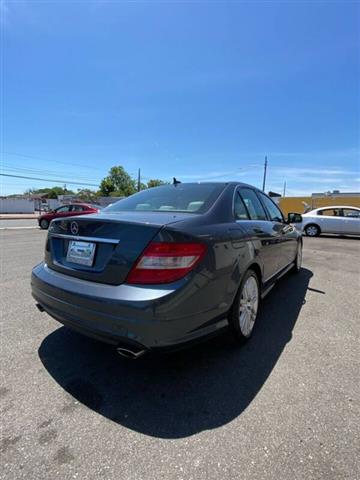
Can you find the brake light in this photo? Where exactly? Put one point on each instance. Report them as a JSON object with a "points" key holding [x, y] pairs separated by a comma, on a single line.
{"points": [[164, 262]]}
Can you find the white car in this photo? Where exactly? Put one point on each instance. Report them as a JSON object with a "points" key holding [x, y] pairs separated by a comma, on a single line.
{"points": [[343, 220]]}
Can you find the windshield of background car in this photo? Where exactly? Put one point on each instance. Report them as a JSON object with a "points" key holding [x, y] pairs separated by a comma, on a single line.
{"points": [[183, 197]]}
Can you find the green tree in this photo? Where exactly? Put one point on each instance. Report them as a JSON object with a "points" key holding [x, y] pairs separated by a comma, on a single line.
{"points": [[106, 187], [117, 183], [86, 194], [155, 183], [50, 192], [54, 192]]}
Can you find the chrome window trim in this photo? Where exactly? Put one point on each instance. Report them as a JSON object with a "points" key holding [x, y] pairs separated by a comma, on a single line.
{"points": [[85, 239]]}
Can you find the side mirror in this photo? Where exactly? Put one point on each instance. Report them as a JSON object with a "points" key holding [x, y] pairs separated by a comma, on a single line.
{"points": [[294, 218]]}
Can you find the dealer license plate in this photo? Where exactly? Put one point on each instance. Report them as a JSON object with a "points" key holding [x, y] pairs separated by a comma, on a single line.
{"points": [[81, 253]]}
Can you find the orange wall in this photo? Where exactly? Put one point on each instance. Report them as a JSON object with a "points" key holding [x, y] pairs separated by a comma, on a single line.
{"points": [[293, 204]]}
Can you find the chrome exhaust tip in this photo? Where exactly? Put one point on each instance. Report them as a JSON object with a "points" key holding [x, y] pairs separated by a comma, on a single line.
{"points": [[128, 352]]}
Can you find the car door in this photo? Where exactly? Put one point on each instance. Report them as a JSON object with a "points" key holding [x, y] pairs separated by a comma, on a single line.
{"points": [[330, 220], [257, 228], [351, 221], [287, 236]]}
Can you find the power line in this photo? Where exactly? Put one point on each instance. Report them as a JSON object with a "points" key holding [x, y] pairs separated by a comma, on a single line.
{"points": [[48, 180], [48, 160], [40, 171]]}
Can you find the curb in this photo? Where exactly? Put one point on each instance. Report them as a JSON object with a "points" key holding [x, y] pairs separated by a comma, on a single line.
{"points": [[19, 228]]}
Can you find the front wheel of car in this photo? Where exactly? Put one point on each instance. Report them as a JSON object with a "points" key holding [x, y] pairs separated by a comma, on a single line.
{"points": [[245, 309], [312, 230], [44, 224], [298, 258]]}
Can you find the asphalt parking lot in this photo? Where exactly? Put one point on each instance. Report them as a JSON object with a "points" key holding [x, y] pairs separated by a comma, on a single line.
{"points": [[285, 406]]}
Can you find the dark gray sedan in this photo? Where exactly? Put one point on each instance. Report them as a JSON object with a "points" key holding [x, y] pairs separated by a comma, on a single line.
{"points": [[167, 266]]}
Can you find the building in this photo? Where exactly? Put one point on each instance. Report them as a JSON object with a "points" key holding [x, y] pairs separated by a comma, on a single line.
{"points": [[317, 200]]}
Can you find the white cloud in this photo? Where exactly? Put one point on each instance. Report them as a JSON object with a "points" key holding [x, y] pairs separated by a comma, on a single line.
{"points": [[4, 13], [347, 152], [306, 171]]}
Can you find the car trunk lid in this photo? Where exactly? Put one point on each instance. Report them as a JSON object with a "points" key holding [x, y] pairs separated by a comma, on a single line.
{"points": [[116, 239]]}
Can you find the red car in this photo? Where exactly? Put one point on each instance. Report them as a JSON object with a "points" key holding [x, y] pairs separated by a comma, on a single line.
{"points": [[71, 210]]}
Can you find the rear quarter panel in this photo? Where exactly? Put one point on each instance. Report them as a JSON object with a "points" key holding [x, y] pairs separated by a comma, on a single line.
{"points": [[216, 280]]}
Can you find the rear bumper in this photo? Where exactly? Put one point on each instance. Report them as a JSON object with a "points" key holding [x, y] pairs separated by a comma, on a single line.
{"points": [[153, 317]]}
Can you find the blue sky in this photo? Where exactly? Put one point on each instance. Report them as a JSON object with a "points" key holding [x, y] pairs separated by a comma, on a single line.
{"points": [[199, 90]]}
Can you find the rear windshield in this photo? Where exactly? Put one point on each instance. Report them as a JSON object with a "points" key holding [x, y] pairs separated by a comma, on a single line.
{"points": [[191, 198]]}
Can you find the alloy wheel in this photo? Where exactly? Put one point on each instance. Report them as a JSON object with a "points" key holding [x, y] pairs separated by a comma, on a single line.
{"points": [[249, 304], [311, 231]]}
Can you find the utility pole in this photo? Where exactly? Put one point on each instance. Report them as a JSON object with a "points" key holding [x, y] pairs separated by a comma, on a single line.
{"points": [[284, 191], [139, 182], [264, 179]]}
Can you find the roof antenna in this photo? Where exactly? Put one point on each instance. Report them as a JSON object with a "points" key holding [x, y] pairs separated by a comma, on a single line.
{"points": [[175, 182]]}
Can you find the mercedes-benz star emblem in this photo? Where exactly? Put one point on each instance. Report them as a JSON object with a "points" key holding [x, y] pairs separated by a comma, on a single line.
{"points": [[74, 227]]}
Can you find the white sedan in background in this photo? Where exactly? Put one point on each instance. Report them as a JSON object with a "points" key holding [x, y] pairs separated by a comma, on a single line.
{"points": [[343, 220]]}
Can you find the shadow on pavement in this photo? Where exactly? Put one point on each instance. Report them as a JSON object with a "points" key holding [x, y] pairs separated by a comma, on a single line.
{"points": [[180, 394], [335, 236]]}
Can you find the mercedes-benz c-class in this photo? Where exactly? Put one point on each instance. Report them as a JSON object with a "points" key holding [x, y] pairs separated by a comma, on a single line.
{"points": [[167, 266]]}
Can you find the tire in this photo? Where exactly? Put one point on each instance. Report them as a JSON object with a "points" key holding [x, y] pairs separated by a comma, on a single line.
{"points": [[298, 259], [44, 224], [243, 314], [312, 230]]}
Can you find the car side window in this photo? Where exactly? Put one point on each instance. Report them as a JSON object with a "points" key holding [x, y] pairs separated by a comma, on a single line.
{"points": [[253, 204], [330, 212], [77, 208], [239, 208], [273, 211], [62, 209], [351, 213]]}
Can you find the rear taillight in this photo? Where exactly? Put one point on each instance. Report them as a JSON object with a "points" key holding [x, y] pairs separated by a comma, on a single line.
{"points": [[164, 262]]}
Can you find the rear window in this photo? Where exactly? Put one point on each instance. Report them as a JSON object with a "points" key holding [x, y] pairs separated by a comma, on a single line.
{"points": [[183, 197], [350, 212]]}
